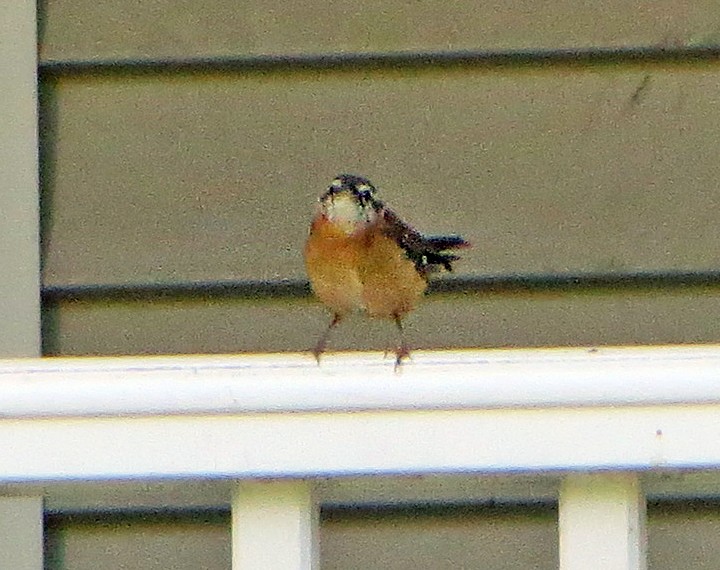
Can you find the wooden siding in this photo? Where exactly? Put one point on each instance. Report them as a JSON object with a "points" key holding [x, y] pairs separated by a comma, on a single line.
{"points": [[229, 326], [84, 29], [368, 541], [548, 165], [215, 177]]}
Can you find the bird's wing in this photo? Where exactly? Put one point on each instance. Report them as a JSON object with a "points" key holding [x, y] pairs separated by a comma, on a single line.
{"points": [[426, 252]]}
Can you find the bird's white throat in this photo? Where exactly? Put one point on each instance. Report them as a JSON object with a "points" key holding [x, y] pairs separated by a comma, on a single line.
{"points": [[344, 210]]}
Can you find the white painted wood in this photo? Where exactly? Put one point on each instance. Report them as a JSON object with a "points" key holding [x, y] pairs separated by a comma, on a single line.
{"points": [[21, 533], [327, 444], [272, 445], [21, 518], [478, 379], [453, 488], [602, 522], [328, 421], [274, 526], [19, 195]]}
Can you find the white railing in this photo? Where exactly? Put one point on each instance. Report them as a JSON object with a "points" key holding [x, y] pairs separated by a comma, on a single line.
{"points": [[596, 418]]}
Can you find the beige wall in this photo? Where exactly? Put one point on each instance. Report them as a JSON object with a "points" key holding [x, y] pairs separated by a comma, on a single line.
{"points": [[214, 176], [206, 177], [552, 168], [83, 29], [494, 539], [226, 326]]}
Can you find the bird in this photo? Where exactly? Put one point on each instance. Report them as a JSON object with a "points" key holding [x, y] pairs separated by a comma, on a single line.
{"points": [[360, 256]]}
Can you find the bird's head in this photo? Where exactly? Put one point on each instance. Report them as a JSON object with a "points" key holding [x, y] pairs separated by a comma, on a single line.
{"points": [[349, 202]]}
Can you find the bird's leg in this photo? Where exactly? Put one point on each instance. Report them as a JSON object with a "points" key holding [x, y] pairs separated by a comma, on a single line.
{"points": [[320, 346], [402, 351]]}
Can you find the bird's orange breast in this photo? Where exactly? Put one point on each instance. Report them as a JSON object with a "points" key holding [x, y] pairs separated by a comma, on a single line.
{"points": [[331, 261], [364, 270], [391, 284]]}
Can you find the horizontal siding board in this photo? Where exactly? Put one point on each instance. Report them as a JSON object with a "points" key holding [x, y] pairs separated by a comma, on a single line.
{"points": [[88, 30], [232, 326], [492, 284], [214, 177], [680, 535], [416, 542], [183, 545]]}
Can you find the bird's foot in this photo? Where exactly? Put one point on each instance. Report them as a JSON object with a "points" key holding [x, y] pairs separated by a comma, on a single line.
{"points": [[316, 354], [319, 349], [322, 342], [402, 353]]}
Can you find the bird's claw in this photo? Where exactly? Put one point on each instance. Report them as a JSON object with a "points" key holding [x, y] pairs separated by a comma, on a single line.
{"points": [[402, 353]]}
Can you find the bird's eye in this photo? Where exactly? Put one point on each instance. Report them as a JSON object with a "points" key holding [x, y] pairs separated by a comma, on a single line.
{"points": [[335, 186], [364, 192]]}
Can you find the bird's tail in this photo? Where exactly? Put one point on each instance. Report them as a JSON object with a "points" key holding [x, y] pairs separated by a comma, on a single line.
{"points": [[435, 251]]}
